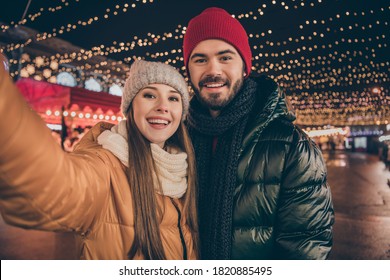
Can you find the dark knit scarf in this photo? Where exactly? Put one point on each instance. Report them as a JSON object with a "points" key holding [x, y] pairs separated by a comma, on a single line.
{"points": [[217, 173]]}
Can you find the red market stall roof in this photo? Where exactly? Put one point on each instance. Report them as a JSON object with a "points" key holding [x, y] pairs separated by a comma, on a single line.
{"points": [[84, 106]]}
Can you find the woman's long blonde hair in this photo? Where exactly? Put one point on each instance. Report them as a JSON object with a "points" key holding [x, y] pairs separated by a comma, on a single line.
{"points": [[147, 213]]}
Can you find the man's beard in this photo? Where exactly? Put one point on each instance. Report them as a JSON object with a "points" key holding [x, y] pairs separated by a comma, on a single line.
{"points": [[211, 100]]}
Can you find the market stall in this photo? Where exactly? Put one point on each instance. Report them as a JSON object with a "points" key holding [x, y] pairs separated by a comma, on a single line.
{"points": [[77, 106]]}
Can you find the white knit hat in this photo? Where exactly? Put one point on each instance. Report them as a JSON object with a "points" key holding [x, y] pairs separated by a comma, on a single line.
{"points": [[143, 73]]}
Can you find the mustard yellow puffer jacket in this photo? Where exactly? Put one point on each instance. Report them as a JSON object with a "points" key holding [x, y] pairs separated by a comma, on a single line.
{"points": [[85, 192]]}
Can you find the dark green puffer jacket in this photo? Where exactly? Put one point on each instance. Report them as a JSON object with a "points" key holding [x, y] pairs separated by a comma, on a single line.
{"points": [[282, 204]]}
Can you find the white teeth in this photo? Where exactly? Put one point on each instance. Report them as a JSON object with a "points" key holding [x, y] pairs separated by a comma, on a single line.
{"points": [[158, 121], [214, 85]]}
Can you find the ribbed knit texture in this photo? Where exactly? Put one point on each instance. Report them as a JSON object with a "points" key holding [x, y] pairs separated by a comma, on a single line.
{"points": [[172, 165], [143, 73], [217, 173], [216, 23]]}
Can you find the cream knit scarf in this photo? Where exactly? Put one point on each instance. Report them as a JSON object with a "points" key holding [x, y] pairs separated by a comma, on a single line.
{"points": [[171, 165]]}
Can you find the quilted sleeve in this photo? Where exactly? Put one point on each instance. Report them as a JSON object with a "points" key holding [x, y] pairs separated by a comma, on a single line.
{"points": [[305, 216], [41, 186]]}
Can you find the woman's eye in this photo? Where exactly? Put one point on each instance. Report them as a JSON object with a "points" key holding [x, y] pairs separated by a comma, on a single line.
{"points": [[173, 98], [148, 95]]}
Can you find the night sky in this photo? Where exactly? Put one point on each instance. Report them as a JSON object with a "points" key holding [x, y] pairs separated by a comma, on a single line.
{"points": [[165, 15]]}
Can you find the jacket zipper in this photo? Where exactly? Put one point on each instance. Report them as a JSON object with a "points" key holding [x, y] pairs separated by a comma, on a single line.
{"points": [[183, 243]]}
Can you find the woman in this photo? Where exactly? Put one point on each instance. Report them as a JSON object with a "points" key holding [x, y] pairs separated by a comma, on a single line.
{"points": [[127, 191]]}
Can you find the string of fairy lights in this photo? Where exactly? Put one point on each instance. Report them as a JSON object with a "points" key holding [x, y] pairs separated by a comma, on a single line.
{"points": [[109, 12], [34, 16], [129, 46], [330, 72]]}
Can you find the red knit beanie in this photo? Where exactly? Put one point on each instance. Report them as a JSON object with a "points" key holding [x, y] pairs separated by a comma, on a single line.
{"points": [[216, 23]]}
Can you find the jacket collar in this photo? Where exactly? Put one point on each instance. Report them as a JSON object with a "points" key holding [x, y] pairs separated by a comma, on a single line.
{"points": [[271, 105]]}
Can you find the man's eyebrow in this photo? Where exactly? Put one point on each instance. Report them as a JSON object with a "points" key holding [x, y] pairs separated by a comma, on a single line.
{"points": [[197, 55], [201, 55], [226, 51]]}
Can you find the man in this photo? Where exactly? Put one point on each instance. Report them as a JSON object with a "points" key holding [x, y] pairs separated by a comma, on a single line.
{"points": [[263, 192]]}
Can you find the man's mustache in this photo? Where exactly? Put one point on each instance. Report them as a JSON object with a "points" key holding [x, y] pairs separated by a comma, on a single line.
{"points": [[214, 79]]}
